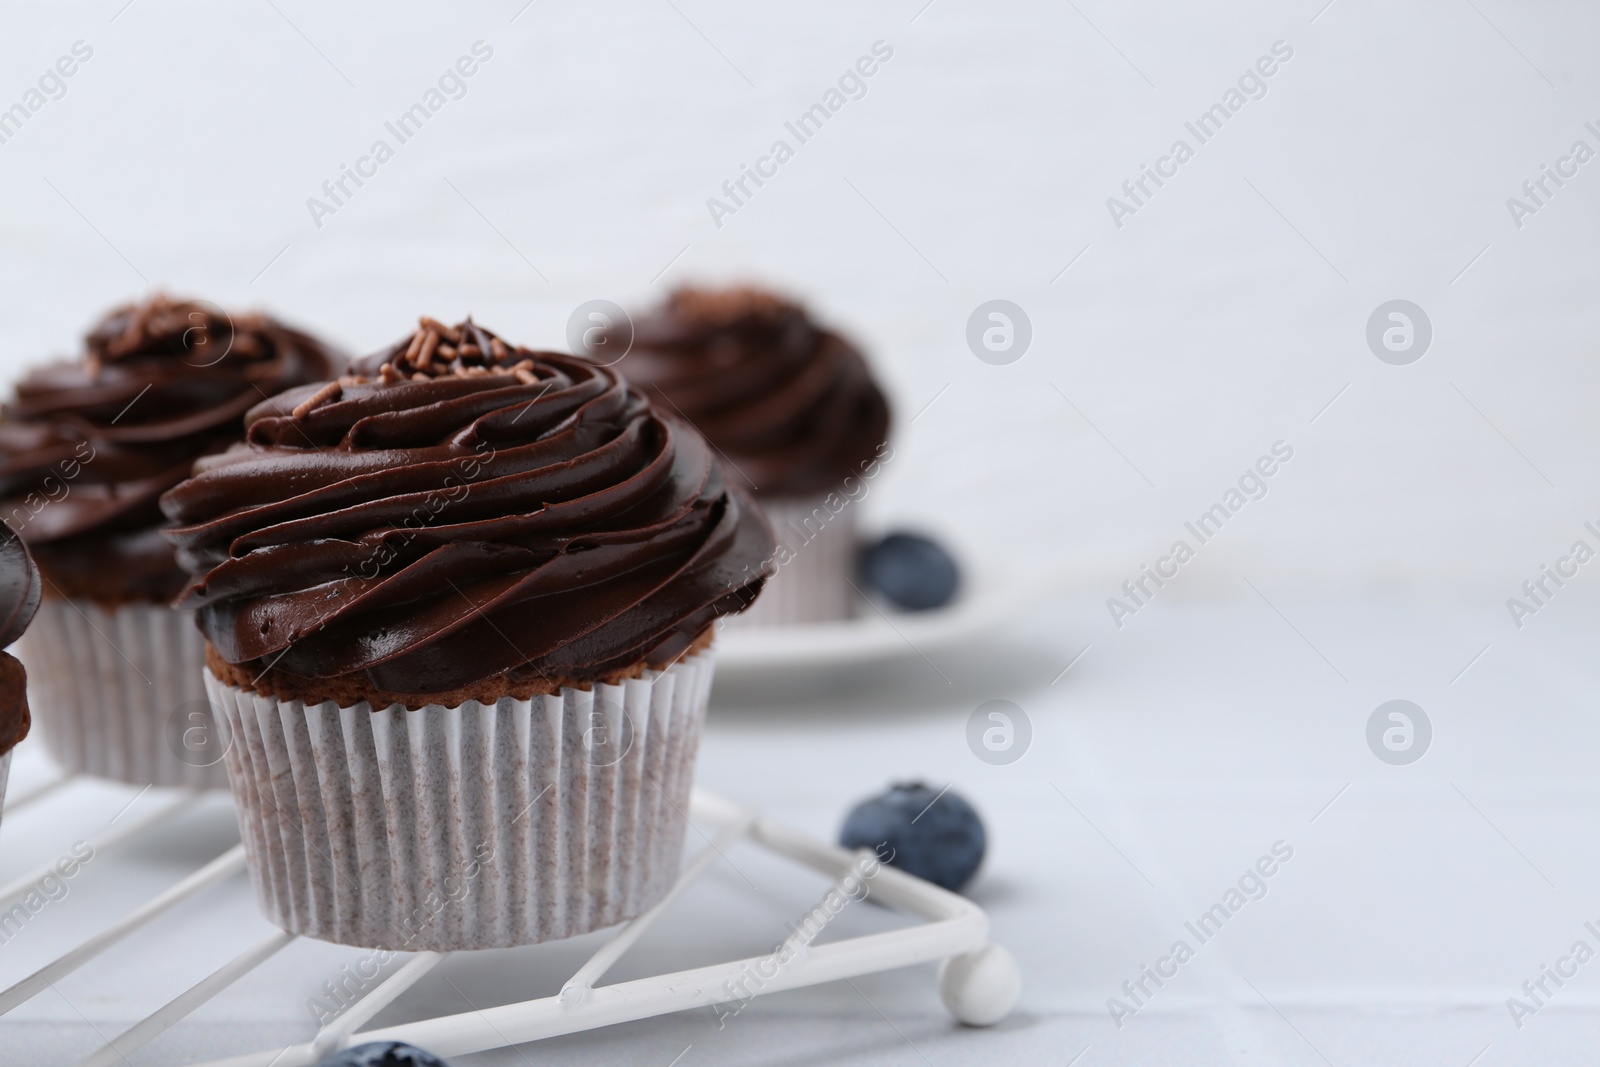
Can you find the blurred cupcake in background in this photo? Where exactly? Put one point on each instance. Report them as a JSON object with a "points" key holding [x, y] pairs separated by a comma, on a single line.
{"points": [[19, 599], [86, 450], [459, 608], [793, 409]]}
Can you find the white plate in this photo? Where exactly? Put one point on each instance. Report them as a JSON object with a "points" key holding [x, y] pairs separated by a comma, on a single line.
{"points": [[877, 634]]}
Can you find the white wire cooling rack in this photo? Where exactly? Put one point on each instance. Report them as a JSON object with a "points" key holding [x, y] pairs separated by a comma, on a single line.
{"points": [[979, 982]]}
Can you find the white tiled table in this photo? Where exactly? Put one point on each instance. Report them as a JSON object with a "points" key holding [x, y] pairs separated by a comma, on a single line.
{"points": [[1172, 755]]}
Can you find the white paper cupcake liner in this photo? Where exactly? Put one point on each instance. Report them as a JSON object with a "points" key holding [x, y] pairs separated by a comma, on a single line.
{"points": [[119, 693], [477, 826], [813, 579]]}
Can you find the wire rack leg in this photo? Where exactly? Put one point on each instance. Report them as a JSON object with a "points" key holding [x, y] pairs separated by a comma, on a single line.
{"points": [[21, 800], [20, 886], [336, 1035], [116, 1050], [224, 866]]}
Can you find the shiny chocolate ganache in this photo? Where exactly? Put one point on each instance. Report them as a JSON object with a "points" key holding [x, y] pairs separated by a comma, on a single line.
{"points": [[461, 518], [88, 447], [792, 405]]}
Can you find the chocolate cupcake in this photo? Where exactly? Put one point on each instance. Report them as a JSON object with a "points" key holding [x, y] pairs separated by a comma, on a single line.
{"points": [[459, 610], [86, 450], [793, 408], [19, 599]]}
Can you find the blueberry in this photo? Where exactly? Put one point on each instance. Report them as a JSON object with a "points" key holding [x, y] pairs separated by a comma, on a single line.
{"points": [[910, 571], [935, 837], [384, 1054]]}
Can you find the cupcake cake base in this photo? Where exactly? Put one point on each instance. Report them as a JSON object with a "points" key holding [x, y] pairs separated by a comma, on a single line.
{"points": [[118, 693], [483, 825], [815, 562]]}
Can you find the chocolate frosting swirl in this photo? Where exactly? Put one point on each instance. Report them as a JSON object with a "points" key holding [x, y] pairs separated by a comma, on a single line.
{"points": [[19, 588], [14, 716], [19, 599], [792, 405], [463, 513], [88, 447]]}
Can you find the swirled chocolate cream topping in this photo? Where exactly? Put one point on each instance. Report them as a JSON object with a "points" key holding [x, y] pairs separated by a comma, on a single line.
{"points": [[461, 519], [791, 404], [88, 447], [19, 599]]}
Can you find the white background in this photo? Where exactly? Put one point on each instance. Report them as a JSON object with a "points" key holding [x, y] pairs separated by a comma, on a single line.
{"points": [[1222, 317], [1193, 337]]}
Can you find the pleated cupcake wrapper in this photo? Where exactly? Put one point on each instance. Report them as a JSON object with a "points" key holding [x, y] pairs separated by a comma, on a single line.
{"points": [[813, 579], [119, 693], [475, 826]]}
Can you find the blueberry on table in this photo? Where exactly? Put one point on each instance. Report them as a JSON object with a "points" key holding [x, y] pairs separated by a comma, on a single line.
{"points": [[935, 836], [384, 1054], [910, 571]]}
